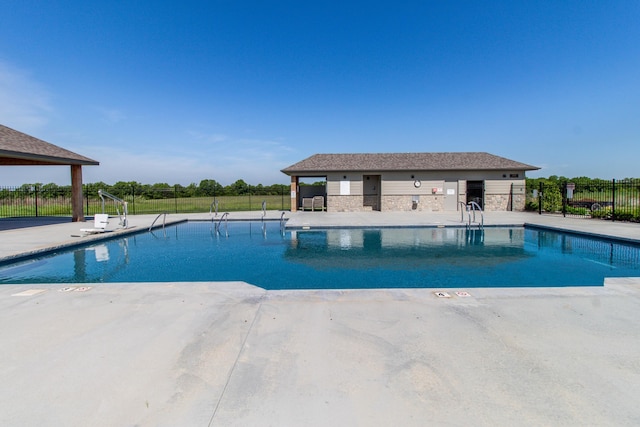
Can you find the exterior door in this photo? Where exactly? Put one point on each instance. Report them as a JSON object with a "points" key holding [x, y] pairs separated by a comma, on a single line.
{"points": [[475, 192], [371, 192], [451, 195]]}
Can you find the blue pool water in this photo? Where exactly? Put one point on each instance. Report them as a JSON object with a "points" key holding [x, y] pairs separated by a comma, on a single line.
{"points": [[338, 258]]}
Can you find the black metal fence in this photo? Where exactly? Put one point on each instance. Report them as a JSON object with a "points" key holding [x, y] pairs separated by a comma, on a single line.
{"points": [[30, 201], [613, 200]]}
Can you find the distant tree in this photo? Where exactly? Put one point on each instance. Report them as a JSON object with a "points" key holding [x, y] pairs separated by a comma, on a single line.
{"points": [[91, 190], [191, 190], [50, 191], [210, 188], [277, 189], [160, 190], [238, 188], [29, 189], [122, 189]]}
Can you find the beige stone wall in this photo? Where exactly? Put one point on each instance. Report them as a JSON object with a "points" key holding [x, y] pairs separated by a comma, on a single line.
{"points": [[427, 203], [337, 203], [519, 202], [502, 202], [504, 196]]}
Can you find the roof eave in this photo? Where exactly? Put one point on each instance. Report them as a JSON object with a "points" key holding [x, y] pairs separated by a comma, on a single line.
{"points": [[325, 171], [31, 159]]}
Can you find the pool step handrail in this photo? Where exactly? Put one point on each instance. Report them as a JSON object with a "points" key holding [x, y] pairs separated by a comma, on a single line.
{"points": [[473, 207], [164, 220], [463, 208], [282, 223], [213, 205], [225, 218], [123, 217]]}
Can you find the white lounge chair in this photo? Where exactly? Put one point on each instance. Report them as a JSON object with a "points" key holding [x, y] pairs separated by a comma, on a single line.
{"points": [[317, 203], [100, 222], [307, 203]]}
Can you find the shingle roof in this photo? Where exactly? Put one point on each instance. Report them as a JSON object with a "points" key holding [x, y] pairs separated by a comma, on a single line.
{"points": [[17, 148], [372, 162]]}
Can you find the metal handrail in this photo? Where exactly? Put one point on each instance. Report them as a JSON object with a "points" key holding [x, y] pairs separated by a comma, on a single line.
{"points": [[282, 221], [164, 219], [215, 202], [225, 218], [463, 209], [473, 206], [123, 221]]}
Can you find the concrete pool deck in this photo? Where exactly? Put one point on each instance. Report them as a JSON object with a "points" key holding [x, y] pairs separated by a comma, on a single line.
{"points": [[231, 354]]}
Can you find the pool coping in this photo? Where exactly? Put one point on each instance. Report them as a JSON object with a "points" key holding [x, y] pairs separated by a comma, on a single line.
{"points": [[85, 241]]}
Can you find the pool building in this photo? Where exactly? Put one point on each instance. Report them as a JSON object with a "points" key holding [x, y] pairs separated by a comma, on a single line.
{"points": [[432, 182]]}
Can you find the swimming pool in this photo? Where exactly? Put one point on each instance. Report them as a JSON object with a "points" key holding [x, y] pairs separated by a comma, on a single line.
{"points": [[260, 254]]}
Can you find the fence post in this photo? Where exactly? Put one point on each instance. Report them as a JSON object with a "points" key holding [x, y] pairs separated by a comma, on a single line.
{"points": [[564, 199], [540, 199], [613, 200], [86, 195], [35, 196], [133, 198]]}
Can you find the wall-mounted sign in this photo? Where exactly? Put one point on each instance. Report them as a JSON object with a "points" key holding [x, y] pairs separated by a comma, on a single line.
{"points": [[345, 188]]}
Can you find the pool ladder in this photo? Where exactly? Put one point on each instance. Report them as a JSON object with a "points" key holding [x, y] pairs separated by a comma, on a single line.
{"points": [[164, 220], [471, 210], [283, 221], [225, 218], [213, 206]]}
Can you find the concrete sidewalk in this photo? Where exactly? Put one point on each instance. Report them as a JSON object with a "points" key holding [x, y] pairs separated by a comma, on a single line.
{"points": [[231, 354]]}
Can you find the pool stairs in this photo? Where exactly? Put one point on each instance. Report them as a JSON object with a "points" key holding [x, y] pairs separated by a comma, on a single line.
{"points": [[471, 210]]}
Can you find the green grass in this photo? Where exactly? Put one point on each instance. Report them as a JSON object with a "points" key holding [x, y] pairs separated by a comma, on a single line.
{"points": [[57, 207]]}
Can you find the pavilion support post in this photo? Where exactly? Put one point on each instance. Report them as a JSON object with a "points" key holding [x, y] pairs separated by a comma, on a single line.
{"points": [[77, 210], [294, 193]]}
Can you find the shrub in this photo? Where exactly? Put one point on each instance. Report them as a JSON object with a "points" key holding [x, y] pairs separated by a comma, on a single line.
{"points": [[627, 214], [530, 205], [551, 198], [603, 213], [577, 210]]}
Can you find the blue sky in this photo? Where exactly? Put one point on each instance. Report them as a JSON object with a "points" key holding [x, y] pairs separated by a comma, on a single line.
{"points": [[181, 91]]}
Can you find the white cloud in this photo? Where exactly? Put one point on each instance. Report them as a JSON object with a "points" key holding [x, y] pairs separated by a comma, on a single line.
{"points": [[24, 103]]}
